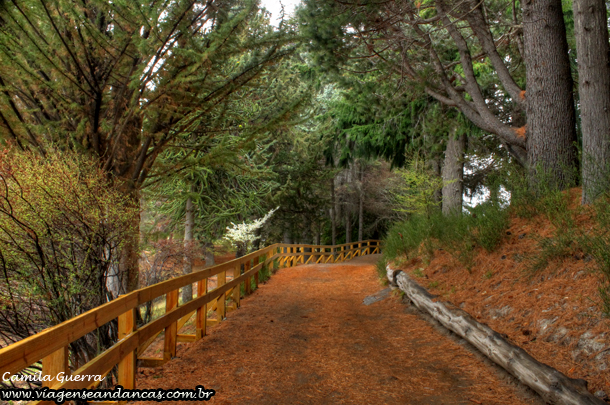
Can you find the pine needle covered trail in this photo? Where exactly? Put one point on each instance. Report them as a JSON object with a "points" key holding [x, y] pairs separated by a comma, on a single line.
{"points": [[306, 337]]}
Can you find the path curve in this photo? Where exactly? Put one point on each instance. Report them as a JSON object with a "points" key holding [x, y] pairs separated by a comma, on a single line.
{"points": [[305, 337]]}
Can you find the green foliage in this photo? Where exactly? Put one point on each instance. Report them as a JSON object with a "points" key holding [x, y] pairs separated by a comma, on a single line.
{"points": [[421, 235], [62, 227], [303, 192], [562, 245], [491, 222], [546, 200], [404, 238], [124, 81], [417, 195], [382, 272], [266, 271], [597, 244]]}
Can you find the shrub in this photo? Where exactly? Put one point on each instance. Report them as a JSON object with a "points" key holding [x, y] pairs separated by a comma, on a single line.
{"points": [[597, 244], [62, 226], [491, 221], [421, 235]]}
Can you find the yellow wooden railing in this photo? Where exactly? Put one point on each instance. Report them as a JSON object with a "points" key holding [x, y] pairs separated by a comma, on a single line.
{"points": [[51, 345]]}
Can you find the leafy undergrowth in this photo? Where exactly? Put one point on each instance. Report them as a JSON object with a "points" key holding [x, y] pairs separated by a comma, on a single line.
{"points": [[539, 286]]}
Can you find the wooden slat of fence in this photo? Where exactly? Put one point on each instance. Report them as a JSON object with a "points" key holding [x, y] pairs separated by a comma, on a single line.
{"points": [[28, 351]]}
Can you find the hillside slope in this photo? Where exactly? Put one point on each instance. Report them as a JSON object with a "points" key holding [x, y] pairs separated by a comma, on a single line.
{"points": [[553, 313]]}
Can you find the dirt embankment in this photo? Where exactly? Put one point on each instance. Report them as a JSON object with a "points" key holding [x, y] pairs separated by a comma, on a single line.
{"points": [[554, 314]]}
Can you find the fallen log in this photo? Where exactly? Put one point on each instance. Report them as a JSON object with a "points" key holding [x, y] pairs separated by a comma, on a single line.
{"points": [[553, 386]]}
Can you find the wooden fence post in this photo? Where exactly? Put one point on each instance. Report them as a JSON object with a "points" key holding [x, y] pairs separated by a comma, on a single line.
{"points": [[285, 250], [237, 288], [127, 365], [171, 332], [220, 303], [256, 261], [202, 312], [248, 280], [53, 364]]}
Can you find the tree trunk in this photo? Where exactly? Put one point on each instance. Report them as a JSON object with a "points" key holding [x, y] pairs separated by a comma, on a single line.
{"points": [[287, 238], [208, 253], [361, 204], [306, 237], [256, 244], [435, 167], [189, 220], [551, 131], [240, 250], [453, 175], [129, 270], [590, 26], [348, 227], [333, 215]]}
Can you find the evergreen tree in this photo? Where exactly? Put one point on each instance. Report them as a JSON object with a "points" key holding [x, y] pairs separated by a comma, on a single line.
{"points": [[122, 81]]}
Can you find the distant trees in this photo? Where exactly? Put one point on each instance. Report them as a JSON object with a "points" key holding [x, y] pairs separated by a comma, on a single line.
{"points": [[467, 55]]}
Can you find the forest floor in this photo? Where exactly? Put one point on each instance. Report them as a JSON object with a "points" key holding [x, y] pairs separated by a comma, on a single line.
{"points": [[307, 337], [554, 314]]}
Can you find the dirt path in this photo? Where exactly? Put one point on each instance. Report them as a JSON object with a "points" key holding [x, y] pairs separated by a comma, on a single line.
{"points": [[306, 337]]}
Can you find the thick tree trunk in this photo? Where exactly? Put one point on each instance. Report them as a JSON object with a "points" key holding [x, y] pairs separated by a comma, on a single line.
{"points": [[551, 131], [189, 220], [361, 204], [590, 26], [453, 175], [333, 213]]}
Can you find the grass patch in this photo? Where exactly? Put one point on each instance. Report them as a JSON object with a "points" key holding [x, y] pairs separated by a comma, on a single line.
{"points": [[561, 246], [491, 222], [597, 244], [422, 235], [381, 270]]}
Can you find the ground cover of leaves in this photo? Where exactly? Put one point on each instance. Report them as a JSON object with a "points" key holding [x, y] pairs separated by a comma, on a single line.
{"points": [[305, 337], [554, 314]]}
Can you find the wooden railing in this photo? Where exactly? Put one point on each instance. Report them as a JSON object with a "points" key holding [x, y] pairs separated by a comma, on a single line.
{"points": [[51, 345]]}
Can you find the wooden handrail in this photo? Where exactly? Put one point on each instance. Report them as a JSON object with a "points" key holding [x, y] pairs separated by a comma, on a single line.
{"points": [[47, 344]]}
